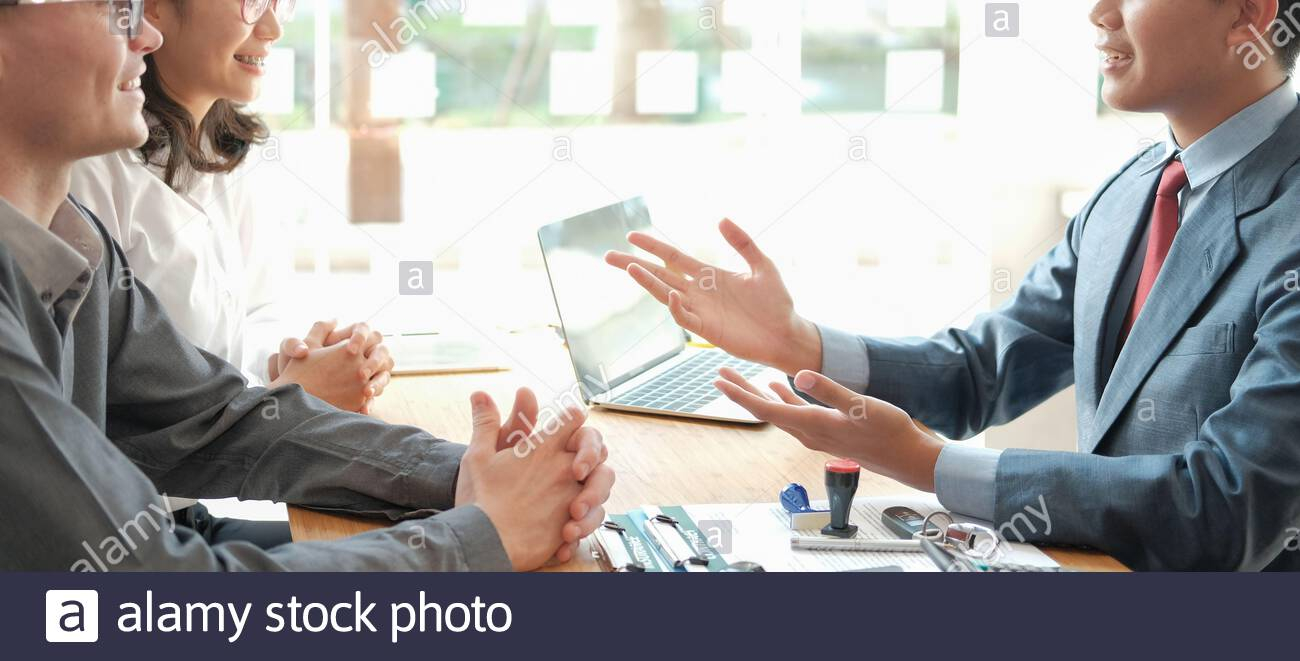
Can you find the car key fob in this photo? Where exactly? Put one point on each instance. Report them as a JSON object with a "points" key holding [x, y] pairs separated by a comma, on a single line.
{"points": [[902, 521]]}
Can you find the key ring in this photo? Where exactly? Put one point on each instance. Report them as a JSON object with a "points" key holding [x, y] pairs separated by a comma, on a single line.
{"points": [[967, 538], [937, 535]]}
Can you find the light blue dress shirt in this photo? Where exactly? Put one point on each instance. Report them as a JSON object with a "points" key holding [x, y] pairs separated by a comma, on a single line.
{"points": [[964, 477]]}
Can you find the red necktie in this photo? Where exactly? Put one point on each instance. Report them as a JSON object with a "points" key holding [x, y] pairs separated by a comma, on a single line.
{"points": [[1164, 224]]}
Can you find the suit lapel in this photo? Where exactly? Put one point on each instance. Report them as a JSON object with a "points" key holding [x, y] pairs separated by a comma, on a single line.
{"points": [[1204, 248], [1122, 215]]}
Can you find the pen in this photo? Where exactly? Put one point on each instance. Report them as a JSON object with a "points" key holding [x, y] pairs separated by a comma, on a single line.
{"points": [[939, 557], [876, 545]]}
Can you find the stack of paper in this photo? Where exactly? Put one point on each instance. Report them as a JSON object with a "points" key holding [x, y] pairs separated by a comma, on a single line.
{"points": [[724, 534], [761, 533]]}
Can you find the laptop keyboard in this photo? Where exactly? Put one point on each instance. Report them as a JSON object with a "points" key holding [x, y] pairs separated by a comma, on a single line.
{"points": [[689, 386]]}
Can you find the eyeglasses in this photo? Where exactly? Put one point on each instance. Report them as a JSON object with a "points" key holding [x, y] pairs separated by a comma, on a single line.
{"points": [[124, 16], [254, 10]]}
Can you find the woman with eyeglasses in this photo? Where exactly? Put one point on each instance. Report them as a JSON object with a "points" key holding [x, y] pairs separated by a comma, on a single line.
{"points": [[181, 210]]}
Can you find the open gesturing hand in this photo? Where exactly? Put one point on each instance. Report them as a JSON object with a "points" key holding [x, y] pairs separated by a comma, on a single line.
{"points": [[749, 315]]}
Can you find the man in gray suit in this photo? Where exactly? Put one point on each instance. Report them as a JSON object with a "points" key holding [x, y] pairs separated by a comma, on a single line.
{"points": [[1170, 304], [103, 403]]}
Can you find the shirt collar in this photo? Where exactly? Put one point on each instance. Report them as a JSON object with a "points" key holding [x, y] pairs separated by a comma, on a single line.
{"points": [[55, 260], [1224, 146]]}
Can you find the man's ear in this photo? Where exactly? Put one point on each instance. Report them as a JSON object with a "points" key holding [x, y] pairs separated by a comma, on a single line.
{"points": [[1254, 21]]}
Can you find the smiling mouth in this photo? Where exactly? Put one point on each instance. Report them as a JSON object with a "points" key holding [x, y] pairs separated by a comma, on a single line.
{"points": [[130, 85], [1114, 57], [251, 60]]}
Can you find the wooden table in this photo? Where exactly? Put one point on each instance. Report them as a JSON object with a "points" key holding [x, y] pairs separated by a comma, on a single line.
{"points": [[659, 460]]}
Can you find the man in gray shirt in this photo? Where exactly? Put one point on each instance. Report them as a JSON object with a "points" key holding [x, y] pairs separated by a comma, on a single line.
{"points": [[103, 404]]}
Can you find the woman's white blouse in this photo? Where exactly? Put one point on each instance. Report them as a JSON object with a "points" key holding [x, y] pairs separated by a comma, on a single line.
{"points": [[201, 252]]}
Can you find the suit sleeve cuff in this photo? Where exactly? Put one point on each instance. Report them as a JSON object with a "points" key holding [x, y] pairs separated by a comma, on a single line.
{"points": [[844, 359], [965, 480], [432, 481], [480, 543]]}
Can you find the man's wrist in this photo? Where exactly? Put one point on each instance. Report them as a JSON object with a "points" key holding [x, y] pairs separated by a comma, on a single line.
{"points": [[921, 465], [806, 345]]}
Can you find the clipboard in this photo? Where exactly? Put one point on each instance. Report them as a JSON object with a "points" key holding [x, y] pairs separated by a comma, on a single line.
{"points": [[653, 539]]}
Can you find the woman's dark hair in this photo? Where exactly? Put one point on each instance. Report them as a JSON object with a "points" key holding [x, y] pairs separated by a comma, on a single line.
{"points": [[175, 143]]}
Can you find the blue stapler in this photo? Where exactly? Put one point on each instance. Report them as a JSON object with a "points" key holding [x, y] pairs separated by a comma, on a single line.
{"points": [[794, 499]]}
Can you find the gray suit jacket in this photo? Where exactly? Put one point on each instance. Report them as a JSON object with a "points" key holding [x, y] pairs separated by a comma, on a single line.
{"points": [[102, 409], [1189, 454]]}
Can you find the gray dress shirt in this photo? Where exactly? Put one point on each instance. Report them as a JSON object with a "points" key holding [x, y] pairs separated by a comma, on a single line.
{"points": [[103, 405]]}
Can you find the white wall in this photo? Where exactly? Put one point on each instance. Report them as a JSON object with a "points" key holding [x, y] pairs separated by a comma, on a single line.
{"points": [[1031, 134]]}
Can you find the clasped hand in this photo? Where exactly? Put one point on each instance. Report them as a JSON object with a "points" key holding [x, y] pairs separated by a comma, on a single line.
{"points": [[541, 480], [347, 367]]}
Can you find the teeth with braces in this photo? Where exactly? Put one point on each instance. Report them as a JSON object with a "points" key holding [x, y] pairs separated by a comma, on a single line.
{"points": [[251, 60]]}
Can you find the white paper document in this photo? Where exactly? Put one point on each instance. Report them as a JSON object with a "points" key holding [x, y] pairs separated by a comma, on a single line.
{"points": [[761, 533]]}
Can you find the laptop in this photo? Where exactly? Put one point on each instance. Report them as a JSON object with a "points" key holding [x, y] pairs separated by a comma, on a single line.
{"points": [[627, 351]]}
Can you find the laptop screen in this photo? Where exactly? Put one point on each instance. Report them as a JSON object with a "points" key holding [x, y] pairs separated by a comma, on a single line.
{"points": [[614, 329]]}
